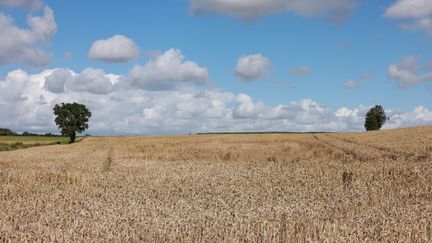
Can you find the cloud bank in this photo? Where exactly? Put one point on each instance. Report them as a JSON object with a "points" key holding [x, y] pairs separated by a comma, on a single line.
{"points": [[26, 102]]}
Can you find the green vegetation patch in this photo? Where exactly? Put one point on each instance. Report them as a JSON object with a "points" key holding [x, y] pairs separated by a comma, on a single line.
{"points": [[14, 146], [9, 143], [46, 139]]}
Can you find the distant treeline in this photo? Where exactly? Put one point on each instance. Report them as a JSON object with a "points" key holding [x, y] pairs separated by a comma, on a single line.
{"points": [[6, 132], [271, 132], [9, 132]]}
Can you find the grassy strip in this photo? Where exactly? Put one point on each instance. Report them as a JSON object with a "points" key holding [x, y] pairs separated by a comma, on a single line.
{"points": [[18, 145], [33, 139], [21, 145]]}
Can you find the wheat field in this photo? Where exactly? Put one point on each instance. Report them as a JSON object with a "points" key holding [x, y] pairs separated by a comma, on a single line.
{"points": [[330, 187]]}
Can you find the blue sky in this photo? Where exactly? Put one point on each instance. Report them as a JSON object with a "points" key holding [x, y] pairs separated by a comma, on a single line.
{"points": [[360, 48]]}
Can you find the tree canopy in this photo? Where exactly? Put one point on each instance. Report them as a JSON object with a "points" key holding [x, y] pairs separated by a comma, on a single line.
{"points": [[71, 118], [375, 118], [6, 132]]}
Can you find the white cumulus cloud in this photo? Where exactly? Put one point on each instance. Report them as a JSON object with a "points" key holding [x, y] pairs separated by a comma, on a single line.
{"points": [[300, 71], [116, 49], [27, 45], [418, 13], [247, 108], [166, 71], [29, 4], [409, 9], [408, 72], [352, 84], [336, 10], [90, 80], [55, 82], [419, 116], [252, 67]]}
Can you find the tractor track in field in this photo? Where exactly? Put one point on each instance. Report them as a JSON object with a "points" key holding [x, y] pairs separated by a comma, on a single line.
{"points": [[363, 153], [388, 153], [345, 154]]}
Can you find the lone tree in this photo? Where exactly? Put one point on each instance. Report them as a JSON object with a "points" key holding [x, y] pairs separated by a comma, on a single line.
{"points": [[375, 118], [71, 118]]}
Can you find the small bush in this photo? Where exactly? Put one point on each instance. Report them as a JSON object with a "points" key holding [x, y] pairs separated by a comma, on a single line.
{"points": [[347, 178]]}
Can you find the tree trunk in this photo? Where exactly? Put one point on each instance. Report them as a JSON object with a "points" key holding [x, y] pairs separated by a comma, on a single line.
{"points": [[72, 137]]}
